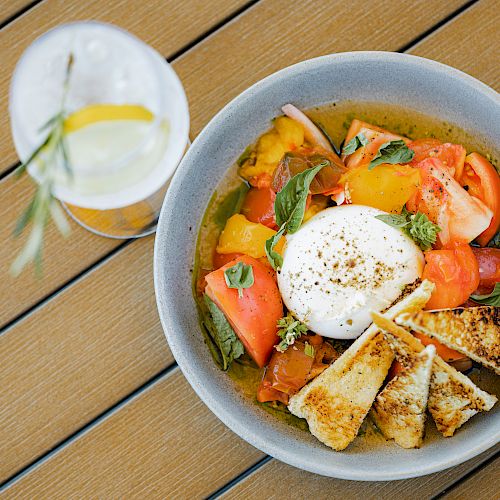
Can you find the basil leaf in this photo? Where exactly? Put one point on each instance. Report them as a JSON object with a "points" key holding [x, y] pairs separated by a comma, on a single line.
{"points": [[239, 276], [355, 143], [230, 205], [273, 257], [290, 329], [225, 345], [491, 299], [416, 226], [290, 202], [392, 152]]}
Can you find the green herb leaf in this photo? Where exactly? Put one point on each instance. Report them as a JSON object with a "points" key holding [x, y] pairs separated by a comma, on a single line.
{"points": [[222, 336], [355, 143], [416, 226], [309, 350], [491, 299], [289, 209], [230, 205], [239, 276], [290, 202], [392, 152], [244, 156], [273, 257], [290, 329]]}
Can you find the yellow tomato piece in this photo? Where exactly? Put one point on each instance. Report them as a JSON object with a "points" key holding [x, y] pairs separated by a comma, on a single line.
{"points": [[386, 187], [248, 171], [270, 149], [242, 236], [290, 132]]}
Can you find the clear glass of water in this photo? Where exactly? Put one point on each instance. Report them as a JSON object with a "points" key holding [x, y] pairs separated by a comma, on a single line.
{"points": [[126, 123]]}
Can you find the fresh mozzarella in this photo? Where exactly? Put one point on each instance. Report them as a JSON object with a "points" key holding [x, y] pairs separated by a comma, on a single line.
{"points": [[342, 264]]}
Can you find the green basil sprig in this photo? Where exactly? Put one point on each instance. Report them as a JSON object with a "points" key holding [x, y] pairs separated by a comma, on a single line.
{"points": [[491, 299], [392, 152], [354, 144], [416, 226], [289, 209], [239, 276], [290, 329], [231, 204]]}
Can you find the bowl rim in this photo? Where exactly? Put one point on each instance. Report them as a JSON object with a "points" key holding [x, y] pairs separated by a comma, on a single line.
{"points": [[200, 386]]}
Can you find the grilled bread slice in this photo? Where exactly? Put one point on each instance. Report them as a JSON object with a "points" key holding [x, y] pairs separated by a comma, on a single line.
{"points": [[336, 402], [453, 397], [473, 331], [400, 408]]}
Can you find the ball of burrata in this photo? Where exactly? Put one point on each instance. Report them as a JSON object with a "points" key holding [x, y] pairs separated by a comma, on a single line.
{"points": [[341, 265]]}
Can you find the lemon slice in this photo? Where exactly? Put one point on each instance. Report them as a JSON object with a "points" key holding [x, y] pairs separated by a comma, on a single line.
{"points": [[105, 112]]}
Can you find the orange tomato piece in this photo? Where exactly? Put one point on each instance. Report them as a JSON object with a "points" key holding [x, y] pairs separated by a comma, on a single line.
{"points": [[253, 316], [455, 274], [259, 206], [452, 155], [483, 183]]}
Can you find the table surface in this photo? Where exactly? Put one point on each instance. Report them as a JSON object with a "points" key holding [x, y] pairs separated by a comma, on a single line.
{"points": [[92, 403]]}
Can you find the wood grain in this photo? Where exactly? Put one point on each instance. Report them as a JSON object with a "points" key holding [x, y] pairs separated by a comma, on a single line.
{"points": [[167, 25], [164, 444], [10, 7], [483, 484], [266, 38], [297, 483], [69, 361]]}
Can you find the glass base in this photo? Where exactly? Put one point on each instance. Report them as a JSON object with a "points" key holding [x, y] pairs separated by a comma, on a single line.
{"points": [[133, 221]]}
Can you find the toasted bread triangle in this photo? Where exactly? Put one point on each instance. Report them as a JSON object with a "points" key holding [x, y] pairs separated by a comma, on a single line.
{"points": [[453, 397], [473, 331], [399, 409], [336, 402]]}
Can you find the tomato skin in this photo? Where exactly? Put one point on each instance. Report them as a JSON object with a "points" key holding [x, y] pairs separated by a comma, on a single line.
{"points": [[489, 268], [483, 182], [221, 259], [254, 315], [259, 206], [452, 155], [455, 274]]}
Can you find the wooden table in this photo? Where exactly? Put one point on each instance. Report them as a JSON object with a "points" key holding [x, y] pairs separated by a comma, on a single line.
{"points": [[92, 403]]}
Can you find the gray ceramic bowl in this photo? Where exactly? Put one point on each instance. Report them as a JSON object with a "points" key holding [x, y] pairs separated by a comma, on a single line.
{"points": [[424, 85]]}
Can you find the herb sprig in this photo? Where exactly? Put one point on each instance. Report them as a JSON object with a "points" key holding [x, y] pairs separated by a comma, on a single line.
{"points": [[416, 226], [239, 276], [44, 205], [290, 329], [490, 299], [289, 208]]}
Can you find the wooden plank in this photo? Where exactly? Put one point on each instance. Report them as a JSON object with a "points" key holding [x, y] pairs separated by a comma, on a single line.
{"points": [[85, 351], [170, 26], [297, 483], [263, 29], [164, 444], [210, 86], [167, 25], [483, 484], [9, 8], [472, 44]]}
